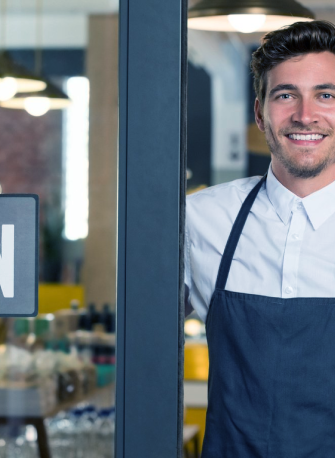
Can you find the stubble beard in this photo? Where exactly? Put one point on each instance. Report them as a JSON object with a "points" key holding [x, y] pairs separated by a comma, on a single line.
{"points": [[293, 167]]}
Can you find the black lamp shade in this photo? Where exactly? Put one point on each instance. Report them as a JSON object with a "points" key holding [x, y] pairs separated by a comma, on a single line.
{"points": [[58, 99], [268, 7], [26, 80]]}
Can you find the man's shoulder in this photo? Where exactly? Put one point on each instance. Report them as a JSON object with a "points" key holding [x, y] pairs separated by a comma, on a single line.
{"points": [[236, 190], [210, 213]]}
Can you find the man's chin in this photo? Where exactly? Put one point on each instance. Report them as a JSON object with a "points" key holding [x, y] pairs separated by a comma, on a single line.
{"points": [[306, 171]]}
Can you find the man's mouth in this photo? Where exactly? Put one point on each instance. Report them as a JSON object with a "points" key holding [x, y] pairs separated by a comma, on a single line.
{"points": [[306, 139]]}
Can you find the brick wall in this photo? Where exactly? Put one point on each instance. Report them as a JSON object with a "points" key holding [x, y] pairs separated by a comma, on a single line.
{"points": [[31, 162]]}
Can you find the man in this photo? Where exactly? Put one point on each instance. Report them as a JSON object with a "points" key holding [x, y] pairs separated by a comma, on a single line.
{"points": [[260, 265]]}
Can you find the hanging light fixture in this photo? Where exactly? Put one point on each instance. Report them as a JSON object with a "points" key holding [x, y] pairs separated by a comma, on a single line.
{"points": [[246, 16], [13, 77], [38, 102]]}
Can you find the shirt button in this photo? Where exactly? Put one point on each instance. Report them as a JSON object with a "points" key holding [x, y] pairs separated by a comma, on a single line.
{"points": [[295, 236], [299, 205], [288, 290]]}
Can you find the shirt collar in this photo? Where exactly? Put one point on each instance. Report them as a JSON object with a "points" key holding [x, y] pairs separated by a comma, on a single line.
{"points": [[281, 198], [319, 205]]}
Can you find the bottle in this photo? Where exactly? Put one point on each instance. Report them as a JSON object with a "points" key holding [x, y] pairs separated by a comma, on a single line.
{"points": [[82, 321], [91, 317], [106, 318], [74, 305], [105, 433], [31, 440], [16, 445], [85, 431], [74, 315], [78, 433], [61, 433], [89, 425]]}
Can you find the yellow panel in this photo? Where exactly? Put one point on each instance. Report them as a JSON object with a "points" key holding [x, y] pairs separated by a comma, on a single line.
{"points": [[53, 296], [256, 141], [197, 189], [196, 416], [196, 361]]}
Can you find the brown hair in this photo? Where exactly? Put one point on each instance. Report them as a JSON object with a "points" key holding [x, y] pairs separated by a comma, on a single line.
{"points": [[291, 41]]}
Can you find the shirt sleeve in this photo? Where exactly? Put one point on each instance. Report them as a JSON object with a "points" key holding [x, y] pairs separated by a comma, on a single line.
{"points": [[193, 300]]}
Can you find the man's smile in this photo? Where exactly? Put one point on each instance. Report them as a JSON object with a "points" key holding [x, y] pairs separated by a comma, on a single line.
{"points": [[306, 139]]}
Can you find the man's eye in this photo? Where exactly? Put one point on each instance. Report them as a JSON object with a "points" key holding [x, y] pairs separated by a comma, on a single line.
{"points": [[327, 96], [284, 96]]}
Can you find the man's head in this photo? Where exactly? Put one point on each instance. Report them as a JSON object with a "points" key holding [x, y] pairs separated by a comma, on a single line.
{"points": [[294, 72], [283, 44]]}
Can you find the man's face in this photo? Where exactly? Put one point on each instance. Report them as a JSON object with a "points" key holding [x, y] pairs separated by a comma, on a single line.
{"points": [[298, 116]]}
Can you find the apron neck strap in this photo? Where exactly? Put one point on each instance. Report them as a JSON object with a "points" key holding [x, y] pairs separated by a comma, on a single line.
{"points": [[235, 234]]}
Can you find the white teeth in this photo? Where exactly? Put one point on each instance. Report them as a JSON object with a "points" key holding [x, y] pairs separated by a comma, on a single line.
{"points": [[308, 137]]}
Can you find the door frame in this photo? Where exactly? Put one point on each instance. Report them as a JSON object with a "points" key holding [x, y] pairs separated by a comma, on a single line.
{"points": [[151, 208]]}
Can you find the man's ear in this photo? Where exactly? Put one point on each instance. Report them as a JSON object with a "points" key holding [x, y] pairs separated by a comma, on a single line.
{"points": [[259, 115]]}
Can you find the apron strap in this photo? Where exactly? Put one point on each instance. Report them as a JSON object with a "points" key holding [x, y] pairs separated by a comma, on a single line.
{"points": [[235, 234]]}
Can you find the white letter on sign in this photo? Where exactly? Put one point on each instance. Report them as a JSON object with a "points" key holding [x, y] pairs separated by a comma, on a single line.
{"points": [[7, 260]]}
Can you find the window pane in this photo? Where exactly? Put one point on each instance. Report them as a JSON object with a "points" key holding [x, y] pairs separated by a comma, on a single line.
{"points": [[57, 371]]}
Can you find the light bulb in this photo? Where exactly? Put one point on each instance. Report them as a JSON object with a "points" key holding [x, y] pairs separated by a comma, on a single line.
{"points": [[37, 106], [8, 88], [193, 327], [246, 23]]}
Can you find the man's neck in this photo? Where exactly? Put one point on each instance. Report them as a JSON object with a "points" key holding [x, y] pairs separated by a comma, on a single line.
{"points": [[303, 187]]}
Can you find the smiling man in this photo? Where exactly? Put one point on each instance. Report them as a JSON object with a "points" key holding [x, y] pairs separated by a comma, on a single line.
{"points": [[260, 265], [297, 115]]}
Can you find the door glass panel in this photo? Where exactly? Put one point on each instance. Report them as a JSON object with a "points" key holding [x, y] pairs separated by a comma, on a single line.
{"points": [[57, 370]]}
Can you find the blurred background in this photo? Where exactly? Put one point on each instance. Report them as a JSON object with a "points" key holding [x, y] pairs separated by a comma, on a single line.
{"points": [[59, 140]]}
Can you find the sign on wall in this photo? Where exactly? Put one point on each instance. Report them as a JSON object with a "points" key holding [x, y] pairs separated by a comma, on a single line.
{"points": [[18, 255]]}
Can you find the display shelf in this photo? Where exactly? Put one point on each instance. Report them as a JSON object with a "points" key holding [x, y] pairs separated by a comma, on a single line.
{"points": [[38, 421], [96, 393]]}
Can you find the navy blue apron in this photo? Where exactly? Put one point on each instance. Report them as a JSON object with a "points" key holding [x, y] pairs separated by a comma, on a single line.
{"points": [[271, 387]]}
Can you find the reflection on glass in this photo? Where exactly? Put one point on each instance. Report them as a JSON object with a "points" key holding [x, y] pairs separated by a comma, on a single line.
{"points": [[246, 23], [8, 88], [57, 370], [76, 159], [56, 377], [37, 106]]}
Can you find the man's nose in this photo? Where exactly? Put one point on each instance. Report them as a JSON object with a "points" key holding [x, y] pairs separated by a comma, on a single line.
{"points": [[305, 113]]}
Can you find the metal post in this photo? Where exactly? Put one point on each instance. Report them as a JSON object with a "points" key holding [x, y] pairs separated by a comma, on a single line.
{"points": [[152, 68]]}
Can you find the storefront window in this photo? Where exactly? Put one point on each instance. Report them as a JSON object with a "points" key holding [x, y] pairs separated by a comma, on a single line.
{"points": [[57, 370]]}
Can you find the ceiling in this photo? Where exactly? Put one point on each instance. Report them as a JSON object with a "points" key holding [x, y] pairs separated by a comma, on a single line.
{"points": [[107, 6], [323, 9], [315, 4], [64, 6], [65, 21]]}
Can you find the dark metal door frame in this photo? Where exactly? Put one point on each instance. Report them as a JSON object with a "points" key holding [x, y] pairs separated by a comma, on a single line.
{"points": [[152, 85]]}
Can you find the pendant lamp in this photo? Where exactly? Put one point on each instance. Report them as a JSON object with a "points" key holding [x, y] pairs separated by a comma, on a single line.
{"points": [[38, 103], [23, 79], [246, 16], [13, 77]]}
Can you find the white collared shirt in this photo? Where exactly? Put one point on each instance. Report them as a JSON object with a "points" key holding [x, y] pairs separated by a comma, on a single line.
{"points": [[286, 249]]}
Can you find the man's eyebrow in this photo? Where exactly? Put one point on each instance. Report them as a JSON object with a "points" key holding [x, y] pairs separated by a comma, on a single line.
{"points": [[322, 87], [282, 87], [292, 87]]}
